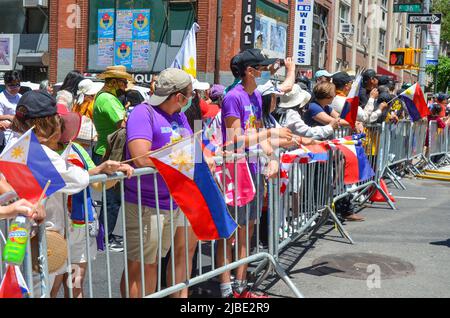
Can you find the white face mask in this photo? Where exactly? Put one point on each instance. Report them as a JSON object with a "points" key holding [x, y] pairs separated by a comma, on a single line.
{"points": [[265, 77]]}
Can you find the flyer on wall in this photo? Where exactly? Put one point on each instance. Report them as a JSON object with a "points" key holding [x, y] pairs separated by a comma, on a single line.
{"points": [[141, 24], [124, 25], [106, 24], [6, 52], [123, 53], [141, 54], [105, 52]]}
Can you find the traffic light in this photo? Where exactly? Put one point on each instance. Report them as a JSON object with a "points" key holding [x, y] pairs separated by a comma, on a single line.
{"points": [[403, 58], [397, 58]]}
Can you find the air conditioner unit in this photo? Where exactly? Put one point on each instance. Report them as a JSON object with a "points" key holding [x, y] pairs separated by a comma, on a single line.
{"points": [[35, 3], [347, 29]]}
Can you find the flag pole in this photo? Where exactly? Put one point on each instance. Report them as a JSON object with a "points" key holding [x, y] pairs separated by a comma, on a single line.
{"points": [[160, 149], [42, 194]]}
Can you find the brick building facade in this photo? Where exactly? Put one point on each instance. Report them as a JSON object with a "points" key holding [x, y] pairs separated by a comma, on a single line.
{"points": [[69, 33]]}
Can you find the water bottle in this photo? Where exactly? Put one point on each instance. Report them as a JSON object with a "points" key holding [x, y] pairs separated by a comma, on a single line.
{"points": [[16, 245]]}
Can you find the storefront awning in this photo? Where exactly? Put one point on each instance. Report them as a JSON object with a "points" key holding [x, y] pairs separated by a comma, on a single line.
{"points": [[33, 59], [383, 71]]}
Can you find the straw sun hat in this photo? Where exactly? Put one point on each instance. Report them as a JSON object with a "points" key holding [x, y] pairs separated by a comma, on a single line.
{"points": [[116, 71]]}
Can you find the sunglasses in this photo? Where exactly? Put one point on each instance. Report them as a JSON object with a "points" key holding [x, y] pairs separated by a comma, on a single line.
{"points": [[125, 82], [13, 85]]}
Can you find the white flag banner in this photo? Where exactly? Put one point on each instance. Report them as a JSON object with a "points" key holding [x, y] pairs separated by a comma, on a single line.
{"points": [[186, 58]]}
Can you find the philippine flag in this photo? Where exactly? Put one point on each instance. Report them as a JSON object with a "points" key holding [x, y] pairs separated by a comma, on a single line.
{"points": [[192, 186], [305, 154], [13, 285], [415, 102], [27, 168], [357, 167], [350, 110]]}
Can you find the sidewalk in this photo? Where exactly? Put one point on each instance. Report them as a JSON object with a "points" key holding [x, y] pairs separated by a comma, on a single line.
{"points": [[417, 233]]}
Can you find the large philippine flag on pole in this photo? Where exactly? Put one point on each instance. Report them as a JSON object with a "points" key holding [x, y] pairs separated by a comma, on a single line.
{"points": [[27, 168], [186, 58], [350, 111], [415, 102], [193, 188]]}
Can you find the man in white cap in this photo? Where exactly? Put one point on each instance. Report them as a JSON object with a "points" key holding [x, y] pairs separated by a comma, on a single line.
{"points": [[151, 127]]}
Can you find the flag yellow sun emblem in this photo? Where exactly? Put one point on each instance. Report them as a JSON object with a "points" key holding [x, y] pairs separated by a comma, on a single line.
{"points": [[17, 152], [191, 69], [182, 160]]}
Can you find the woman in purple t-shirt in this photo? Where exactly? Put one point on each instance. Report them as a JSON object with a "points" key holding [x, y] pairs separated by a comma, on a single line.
{"points": [[151, 127]]}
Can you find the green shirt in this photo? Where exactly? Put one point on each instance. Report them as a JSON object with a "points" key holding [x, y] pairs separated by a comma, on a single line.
{"points": [[108, 112]]}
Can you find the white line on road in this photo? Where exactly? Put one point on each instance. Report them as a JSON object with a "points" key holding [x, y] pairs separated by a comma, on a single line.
{"points": [[410, 198]]}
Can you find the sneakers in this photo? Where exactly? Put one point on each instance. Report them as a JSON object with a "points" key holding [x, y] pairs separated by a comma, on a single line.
{"points": [[248, 294], [115, 243]]}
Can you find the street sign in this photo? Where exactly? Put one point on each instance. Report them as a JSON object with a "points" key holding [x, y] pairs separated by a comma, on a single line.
{"points": [[425, 18], [408, 8]]}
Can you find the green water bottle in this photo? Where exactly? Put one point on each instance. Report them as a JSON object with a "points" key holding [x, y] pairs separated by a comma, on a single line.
{"points": [[16, 244]]}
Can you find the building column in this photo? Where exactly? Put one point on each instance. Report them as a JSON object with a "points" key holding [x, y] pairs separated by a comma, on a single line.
{"points": [[355, 13], [81, 36], [335, 37], [390, 34], [206, 41], [53, 43], [377, 33]]}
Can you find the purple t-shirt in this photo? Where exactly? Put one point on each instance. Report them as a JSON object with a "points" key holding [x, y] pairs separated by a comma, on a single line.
{"points": [[248, 108], [153, 124]]}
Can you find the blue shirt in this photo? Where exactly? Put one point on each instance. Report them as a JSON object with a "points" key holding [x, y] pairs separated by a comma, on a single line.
{"points": [[315, 109]]}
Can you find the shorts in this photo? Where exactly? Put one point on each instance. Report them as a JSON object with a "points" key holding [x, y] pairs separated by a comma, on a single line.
{"points": [[78, 250], [253, 212], [149, 232]]}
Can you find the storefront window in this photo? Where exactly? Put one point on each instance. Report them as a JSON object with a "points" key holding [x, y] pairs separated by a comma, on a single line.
{"points": [[271, 29], [143, 35]]}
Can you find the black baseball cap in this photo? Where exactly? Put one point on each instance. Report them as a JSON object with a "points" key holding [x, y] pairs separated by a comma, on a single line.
{"points": [[254, 57], [384, 80], [368, 75], [342, 78], [37, 104]]}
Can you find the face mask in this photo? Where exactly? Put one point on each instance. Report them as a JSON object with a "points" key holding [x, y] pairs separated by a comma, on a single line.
{"points": [[265, 77], [187, 106]]}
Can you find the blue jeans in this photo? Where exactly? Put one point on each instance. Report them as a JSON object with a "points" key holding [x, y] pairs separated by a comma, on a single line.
{"points": [[113, 202]]}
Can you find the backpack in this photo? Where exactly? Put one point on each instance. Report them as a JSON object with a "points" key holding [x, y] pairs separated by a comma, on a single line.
{"points": [[117, 142]]}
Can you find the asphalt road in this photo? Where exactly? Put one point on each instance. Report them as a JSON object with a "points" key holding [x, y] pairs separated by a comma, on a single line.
{"points": [[418, 233]]}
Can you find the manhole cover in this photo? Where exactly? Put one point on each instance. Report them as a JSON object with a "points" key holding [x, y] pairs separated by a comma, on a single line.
{"points": [[361, 266]]}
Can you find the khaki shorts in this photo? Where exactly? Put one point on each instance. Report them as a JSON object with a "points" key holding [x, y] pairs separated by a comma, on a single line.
{"points": [[149, 232]]}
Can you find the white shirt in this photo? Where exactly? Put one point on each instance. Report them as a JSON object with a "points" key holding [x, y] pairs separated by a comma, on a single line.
{"points": [[366, 115], [294, 122], [8, 104]]}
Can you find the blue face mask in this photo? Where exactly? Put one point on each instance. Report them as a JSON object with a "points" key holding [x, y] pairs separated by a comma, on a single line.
{"points": [[265, 77]]}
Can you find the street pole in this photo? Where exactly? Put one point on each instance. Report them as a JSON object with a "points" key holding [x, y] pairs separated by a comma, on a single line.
{"points": [[218, 42], [423, 58]]}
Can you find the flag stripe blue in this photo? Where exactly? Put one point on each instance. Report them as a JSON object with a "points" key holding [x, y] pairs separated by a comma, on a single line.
{"points": [[42, 168], [412, 109]]}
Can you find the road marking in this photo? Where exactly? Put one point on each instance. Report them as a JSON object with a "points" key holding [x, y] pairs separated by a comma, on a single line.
{"points": [[410, 198]]}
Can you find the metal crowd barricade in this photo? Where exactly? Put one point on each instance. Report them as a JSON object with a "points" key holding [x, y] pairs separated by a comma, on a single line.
{"points": [[103, 274], [376, 149], [438, 140]]}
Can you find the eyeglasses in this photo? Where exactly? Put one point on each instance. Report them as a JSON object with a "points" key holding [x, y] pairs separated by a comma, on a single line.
{"points": [[13, 85]]}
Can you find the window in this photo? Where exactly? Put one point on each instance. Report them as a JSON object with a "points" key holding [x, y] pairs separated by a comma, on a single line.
{"points": [[382, 41], [152, 50], [344, 13]]}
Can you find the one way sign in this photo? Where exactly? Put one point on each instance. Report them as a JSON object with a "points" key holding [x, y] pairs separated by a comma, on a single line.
{"points": [[425, 18]]}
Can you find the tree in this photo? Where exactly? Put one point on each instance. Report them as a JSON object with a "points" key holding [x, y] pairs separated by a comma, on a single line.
{"points": [[443, 6], [443, 73]]}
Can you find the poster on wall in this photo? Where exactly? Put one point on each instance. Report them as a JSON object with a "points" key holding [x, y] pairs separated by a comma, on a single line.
{"points": [[141, 24], [123, 53], [6, 52], [141, 54], [105, 52], [124, 25], [270, 36], [304, 14], [106, 24]]}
